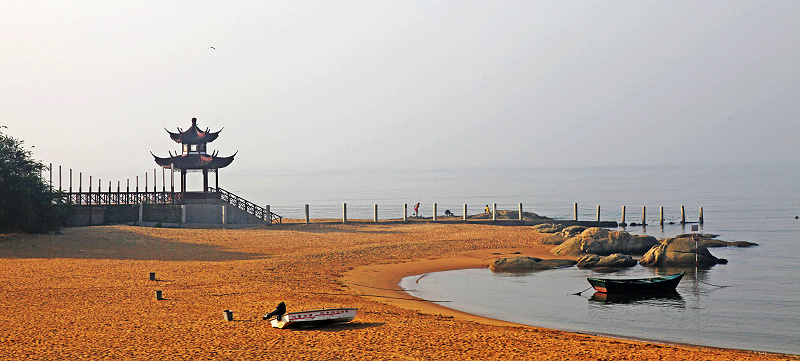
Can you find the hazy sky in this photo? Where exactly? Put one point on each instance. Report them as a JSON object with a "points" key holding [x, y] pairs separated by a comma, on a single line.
{"points": [[402, 84]]}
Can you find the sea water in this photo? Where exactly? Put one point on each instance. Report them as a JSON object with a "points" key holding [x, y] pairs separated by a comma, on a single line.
{"points": [[753, 302]]}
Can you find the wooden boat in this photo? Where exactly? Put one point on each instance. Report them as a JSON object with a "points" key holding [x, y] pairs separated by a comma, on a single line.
{"points": [[315, 318], [636, 285]]}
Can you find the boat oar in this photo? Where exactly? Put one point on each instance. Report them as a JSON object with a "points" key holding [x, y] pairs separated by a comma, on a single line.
{"points": [[579, 293]]}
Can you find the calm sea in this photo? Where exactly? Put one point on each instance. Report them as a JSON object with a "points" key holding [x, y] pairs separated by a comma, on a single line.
{"points": [[753, 302]]}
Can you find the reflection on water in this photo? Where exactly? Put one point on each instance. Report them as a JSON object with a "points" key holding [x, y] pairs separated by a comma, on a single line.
{"points": [[668, 299]]}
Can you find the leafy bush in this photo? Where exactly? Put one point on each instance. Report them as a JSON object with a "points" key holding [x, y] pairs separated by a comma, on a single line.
{"points": [[27, 203]]}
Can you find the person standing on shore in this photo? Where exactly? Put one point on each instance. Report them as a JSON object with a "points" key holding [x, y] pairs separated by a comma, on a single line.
{"points": [[487, 210], [416, 210]]}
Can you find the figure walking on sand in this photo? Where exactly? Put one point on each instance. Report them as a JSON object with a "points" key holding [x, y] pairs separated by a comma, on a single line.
{"points": [[487, 210], [416, 210]]}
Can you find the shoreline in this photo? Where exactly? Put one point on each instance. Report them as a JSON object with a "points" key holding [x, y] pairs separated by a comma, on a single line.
{"points": [[86, 294], [381, 282]]}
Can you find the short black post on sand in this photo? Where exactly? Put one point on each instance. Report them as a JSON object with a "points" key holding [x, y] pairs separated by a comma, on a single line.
{"points": [[228, 315], [159, 295], [152, 276]]}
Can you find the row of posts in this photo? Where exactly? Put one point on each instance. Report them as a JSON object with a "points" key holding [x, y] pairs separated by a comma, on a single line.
{"points": [[405, 212], [644, 215], [494, 213]]}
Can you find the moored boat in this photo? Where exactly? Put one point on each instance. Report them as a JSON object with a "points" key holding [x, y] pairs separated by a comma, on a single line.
{"points": [[315, 318], [636, 285]]}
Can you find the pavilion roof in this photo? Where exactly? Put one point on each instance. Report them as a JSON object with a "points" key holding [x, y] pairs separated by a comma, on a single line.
{"points": [[193, 135], [194, 161]]}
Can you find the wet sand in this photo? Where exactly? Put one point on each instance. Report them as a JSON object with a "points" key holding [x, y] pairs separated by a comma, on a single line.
{"points": [[85, 294]]}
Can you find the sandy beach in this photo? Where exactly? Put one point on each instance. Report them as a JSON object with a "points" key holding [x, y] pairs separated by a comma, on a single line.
{"points": [[86, 294]]}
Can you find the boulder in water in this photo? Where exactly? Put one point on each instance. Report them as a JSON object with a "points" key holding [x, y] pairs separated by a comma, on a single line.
{"points": [[679, 251], [709, 240], [524, 264], [613, 260], [603, 242]]}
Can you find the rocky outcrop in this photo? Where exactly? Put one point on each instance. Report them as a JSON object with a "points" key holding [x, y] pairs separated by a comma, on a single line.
{"points": [[572, 231], [555, 239], [511, 215], [524, 264], [614, 260], [548, 228], [603, 242], [558, 233], [679, 251], [709, 240]]}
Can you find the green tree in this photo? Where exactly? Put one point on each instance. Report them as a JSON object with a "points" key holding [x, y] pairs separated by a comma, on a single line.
{"points": [[27, 203]]}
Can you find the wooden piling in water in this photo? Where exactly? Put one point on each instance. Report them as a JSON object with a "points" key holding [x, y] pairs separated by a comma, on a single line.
{"points": [[520, 211], [405, 212], [598, 213], [375, 213], [344, 212], [465, 212], [644, 218], [661, 216], [622, 223], [683, 215], [575, 211], [701, 216], [434, 212]]}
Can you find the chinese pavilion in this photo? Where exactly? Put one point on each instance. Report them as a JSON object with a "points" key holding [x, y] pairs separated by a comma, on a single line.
{"points": [[193, 156]]}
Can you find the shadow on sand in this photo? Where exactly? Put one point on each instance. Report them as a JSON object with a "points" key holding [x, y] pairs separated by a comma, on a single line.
{"points": [[114, 243]]}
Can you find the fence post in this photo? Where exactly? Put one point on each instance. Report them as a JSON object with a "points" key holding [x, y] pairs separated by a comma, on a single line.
{"points": [[307, 216], [344, 212], [598, 213], [623, 217], [494, 211], [465, 212], [405, 212], [269, 214], [683, 215], [434, 212], [575, 211], [375, 215], [701, 215]]}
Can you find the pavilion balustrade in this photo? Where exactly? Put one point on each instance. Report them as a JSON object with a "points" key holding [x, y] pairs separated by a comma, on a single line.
{"points": [[246, 205], [109, 198]]}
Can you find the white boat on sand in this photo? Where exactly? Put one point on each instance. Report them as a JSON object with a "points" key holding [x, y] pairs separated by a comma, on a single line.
{"points": [[315, 318]]}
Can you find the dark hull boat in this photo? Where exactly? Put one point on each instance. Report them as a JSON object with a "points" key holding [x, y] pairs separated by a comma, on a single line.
{"points": [[637, 285]]}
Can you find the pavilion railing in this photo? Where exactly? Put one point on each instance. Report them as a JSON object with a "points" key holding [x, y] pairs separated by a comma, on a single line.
{"points": [[247, 206], [108, 198]]}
